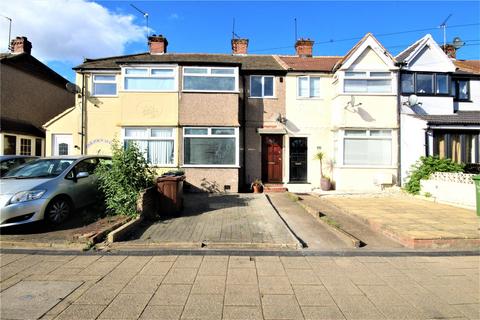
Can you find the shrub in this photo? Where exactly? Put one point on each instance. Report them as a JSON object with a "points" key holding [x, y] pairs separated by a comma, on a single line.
{"points": [[122, 180], [425, 166]]}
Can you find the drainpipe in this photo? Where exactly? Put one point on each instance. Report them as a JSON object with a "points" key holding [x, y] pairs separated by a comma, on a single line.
{"points": [[399, 131], [244, 131], [82, 129]]}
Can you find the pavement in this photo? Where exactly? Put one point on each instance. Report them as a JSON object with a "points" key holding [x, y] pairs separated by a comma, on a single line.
{"points": [[80, 286], [412, 222], [216, 221]]}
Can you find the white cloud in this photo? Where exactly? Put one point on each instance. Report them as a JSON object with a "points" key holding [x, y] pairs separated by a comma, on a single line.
{"points": [[68, 30], [174, 16]]}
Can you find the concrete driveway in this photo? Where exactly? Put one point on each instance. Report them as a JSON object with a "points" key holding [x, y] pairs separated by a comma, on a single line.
{"points": [[218, 221]]}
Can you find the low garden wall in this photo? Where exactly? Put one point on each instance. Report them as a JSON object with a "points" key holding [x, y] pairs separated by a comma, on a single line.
{"points": [[450, 187]]}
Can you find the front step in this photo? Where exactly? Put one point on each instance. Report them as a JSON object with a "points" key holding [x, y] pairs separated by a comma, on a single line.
{"points": [[274, 187]]}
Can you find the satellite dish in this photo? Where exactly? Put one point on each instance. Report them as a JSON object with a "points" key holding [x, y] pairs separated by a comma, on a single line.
{"points": [[73, 88], [412, 100], [458, 43]]}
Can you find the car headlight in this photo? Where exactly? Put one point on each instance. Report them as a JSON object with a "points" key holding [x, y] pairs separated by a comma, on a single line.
{"points": [[23, 196]]}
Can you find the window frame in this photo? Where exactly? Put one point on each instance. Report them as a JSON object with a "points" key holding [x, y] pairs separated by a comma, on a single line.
{"points": [[263, 96], [456, 83], [209, 74], [150, 138], [434, 84], [209, 135], [106, 73], [368, 136], [368, 77], [308, 76], [28, 146], [149, 74]]}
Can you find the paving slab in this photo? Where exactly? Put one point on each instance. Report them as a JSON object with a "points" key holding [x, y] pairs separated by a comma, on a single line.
{"points": [[31, 299], [216, 221], [412, 222]]}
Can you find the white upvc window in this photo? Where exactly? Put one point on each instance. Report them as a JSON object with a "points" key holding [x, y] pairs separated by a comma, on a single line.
{"points": [[262, 86], [156, 143], [367, 82], [150, 78], [210, 79], [104, 84], [308, 87], [210, 147], [369, 147]]}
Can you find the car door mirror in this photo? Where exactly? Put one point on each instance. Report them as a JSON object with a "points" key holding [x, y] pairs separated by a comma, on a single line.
{"points": [[81, 175]]}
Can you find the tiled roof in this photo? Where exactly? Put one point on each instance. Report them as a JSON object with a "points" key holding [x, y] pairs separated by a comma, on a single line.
{"points": [[459, 118], [407, 52], [29, 64], [247, 62], [323, 64], [468, 66]]}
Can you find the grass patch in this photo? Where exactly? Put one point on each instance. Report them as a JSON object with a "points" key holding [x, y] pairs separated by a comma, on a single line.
{"points": [[330, 221]]}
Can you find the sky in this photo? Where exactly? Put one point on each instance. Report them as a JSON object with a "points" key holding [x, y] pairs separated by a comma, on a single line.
{"points": [[64, 32]]}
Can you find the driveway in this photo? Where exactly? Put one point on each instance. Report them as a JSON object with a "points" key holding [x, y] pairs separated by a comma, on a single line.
{"points": [[218, 220]]}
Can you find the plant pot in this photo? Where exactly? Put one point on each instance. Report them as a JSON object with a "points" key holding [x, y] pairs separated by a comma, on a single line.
{"points": [[325, 184], [257, 188]]}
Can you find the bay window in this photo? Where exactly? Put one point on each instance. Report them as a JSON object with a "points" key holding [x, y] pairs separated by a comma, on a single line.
{"points": [[214, 79], [459, 146], [104, 85], [150, 79], [367, 147], [367, 82], [308, 87], [157, 143], [262, 86], [211, 146]]}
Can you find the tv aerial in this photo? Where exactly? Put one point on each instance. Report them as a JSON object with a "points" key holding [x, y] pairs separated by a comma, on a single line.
{"points": [[145, 15], [443, 25]]}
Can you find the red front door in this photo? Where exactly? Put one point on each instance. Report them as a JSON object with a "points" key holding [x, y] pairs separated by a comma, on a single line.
{"points": [[272, 158]]}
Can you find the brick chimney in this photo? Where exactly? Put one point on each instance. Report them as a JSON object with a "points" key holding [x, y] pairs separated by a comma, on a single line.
{"points": [[450, 51], [21, 45], [239, 46], [157, 44], [304, 47]]}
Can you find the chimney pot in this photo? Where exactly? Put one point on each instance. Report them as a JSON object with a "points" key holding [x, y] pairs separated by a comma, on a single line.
{"points": [[21, 45], [239, 46], [304, 47], [450, 51], [157, 44]]}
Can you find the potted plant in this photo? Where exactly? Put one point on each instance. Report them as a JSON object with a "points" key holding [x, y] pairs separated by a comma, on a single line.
{"points": [[257, 186], [325, 183]]}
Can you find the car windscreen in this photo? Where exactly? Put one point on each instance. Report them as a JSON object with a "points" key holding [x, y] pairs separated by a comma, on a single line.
{"points": [[43, 168]]}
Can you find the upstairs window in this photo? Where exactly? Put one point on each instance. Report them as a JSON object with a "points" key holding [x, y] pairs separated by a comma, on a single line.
{"points": [[150, 79], [308, 87], [430, 84], [104, 85], [461, 89], [210, 79], [368, 82], [262, 86]]}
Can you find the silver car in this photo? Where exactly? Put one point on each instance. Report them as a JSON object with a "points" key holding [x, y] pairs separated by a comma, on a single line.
{"points": [[48, 188]]}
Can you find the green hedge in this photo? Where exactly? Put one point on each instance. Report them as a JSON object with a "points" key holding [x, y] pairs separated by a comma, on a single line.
{"points": [[425, 166]]}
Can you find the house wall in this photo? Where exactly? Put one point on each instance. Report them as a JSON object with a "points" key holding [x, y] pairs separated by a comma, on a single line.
{"points": [[31, 99], [105, 117], [209, 109], [260, 113], [412, 143], [310, 118], [364, 111]]}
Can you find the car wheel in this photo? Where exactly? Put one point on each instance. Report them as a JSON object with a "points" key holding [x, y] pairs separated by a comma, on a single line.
{"points": [[58, 211]]}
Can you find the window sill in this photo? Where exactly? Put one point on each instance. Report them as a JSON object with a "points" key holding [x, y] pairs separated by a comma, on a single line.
{"points": [[210, 91], [163, 166], [211, 166], [365, 167], [309, 98], [147, 91]]}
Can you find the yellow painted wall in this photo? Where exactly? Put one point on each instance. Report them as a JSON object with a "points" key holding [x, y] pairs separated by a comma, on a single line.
{"points": [[107, 115]]}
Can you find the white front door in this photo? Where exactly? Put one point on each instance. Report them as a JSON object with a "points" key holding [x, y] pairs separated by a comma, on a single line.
{"points": [[62, 144]]}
